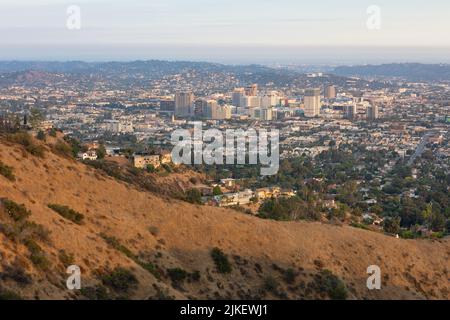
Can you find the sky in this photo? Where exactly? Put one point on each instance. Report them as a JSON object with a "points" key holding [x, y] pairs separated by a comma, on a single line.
{"points": [[230, 31]]}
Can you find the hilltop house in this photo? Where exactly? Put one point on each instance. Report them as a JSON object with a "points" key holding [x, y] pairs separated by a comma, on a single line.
{"points": [[88, 155], [142, 161]]}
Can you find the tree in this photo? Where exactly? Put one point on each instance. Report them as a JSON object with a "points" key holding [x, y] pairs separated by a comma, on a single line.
{"points": [[194, 196], [217, 191], [392, 225], [150, 168], [41, 135], [101, 152], [36, 118]]}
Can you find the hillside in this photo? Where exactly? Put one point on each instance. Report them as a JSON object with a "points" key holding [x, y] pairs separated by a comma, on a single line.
{"points": [[408, 71], [165, 245]]}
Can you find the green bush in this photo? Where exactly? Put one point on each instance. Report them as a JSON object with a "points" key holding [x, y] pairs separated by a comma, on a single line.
{"points": [[67, 213], [115, 243], [271, 285], [98, 292], [332, 285], [289, 276], [38, 256], [9, 295], [67, 259], [7, 172], [52, 132], [194, 196], [26, 140], [63, 149], [177, 275], [408, 234], [40, 135], [17, 273], [18, 212], [120, 280], [221, 261]]}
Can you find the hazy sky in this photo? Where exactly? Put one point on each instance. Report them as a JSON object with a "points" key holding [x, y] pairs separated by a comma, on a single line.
{"points": [[221, 30]]}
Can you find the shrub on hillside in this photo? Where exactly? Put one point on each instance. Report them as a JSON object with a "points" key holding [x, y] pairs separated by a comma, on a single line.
{"points": [[38, 256], [67, 213], [194, 196], [271, 285], [221, 261], [9, 295], [120, 280], [16, 273], [67, 259], [17, 212], [332, 285], [7, 172], [177, 275], [63, 149], [27, 141], [98, 292]]}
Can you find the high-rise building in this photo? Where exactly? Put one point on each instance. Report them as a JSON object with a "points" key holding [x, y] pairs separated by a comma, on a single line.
{"points": [[270, 99], [372, 113], [183, 103], [211, 106], [351, 112], [312, 103], [330, 92], [200, 107], [251, 90], [251, 102], [238, 96], [167, 105], [219, 112]]}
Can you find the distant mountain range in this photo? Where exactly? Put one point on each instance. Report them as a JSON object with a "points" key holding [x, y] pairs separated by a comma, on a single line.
{"points": [[407, 71], [148, 66]]}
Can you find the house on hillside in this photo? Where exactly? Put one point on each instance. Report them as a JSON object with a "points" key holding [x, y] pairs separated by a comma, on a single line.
{"points": [[142, 161], [88, 155]]}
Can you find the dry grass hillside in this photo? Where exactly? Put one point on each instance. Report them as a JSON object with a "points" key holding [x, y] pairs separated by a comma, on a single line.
{"points": [[134, 244]]}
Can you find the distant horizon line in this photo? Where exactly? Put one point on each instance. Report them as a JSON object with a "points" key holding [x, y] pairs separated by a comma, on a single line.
{"points": [[212, 62]]}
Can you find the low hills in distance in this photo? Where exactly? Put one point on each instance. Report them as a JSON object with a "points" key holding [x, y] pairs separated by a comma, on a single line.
{"points": [[157, 68]]}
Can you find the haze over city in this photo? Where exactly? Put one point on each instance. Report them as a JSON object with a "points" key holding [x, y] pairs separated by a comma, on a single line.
{"points": [[286, 31]]}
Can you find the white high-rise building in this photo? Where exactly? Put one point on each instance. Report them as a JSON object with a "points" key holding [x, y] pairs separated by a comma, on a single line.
{"points": [[312, 103], [252, 102], [221, 112]]}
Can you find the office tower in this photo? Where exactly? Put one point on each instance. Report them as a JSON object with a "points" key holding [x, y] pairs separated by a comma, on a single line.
{"points": [[266, 114], [220, 112], [251, 90], [372, 113], [183, 103], [167, 105], [270, 99], [210, 110], [351, 112], [330, 92], [200, 107], [238, 96], [251, 102], [312, 103]]}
